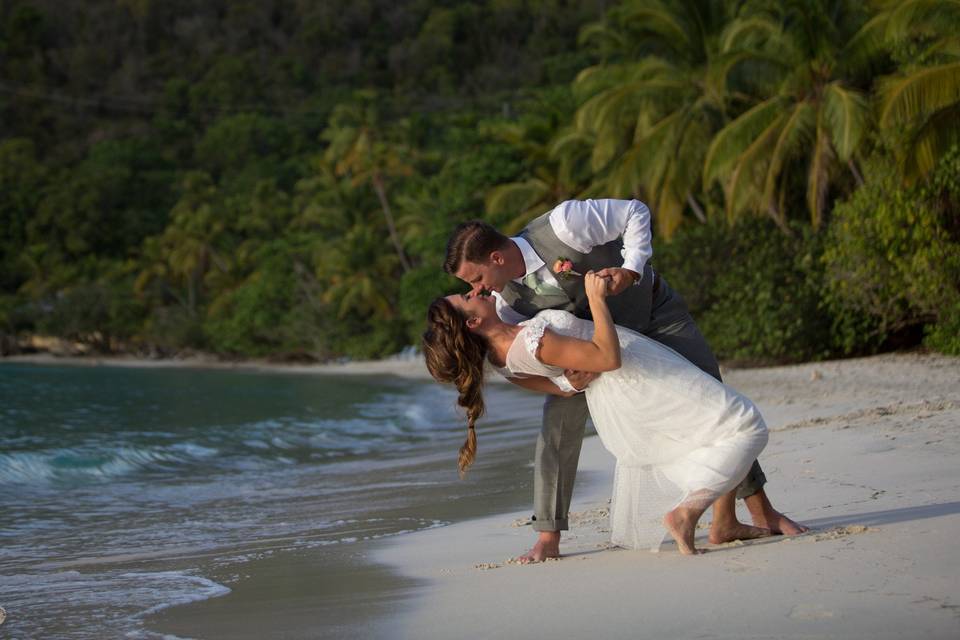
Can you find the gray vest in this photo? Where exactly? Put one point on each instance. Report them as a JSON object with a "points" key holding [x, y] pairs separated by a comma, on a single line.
{"points": [[629, 309]]}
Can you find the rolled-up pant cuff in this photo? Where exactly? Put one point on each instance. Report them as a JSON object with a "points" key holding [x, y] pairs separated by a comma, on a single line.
{"points": [[558, 524], [752, 483]]}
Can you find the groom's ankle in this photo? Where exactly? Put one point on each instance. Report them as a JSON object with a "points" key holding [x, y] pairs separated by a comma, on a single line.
{"points": [[549, 537], [548, 525]]}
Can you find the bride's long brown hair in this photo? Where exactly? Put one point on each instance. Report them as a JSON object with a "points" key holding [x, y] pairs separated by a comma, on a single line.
{"points": [[454, 354]]}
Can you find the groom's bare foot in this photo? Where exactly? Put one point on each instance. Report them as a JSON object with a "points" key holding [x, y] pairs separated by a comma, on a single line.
{"points": [[779, 524], [764, 515], [682, 524], [547, 546], [728, 532]]}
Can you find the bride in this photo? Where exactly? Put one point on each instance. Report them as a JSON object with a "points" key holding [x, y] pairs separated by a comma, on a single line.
{"points": [[681, 438]]}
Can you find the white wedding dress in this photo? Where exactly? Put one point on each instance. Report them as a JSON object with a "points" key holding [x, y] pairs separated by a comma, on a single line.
{"points": [[679, 435]]}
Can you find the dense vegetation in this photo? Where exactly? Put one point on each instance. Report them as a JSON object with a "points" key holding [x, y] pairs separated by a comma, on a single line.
{"points": [[277, 178]]}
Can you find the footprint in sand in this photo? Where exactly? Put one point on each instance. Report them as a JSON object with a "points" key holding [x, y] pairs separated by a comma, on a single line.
{"points": [[841, 532], [812, 612]]}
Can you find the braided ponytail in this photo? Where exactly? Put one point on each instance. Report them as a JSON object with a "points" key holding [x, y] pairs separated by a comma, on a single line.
{"points": [[454, 354]]}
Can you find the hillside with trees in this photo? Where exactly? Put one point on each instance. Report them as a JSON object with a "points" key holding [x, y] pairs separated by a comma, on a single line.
{"points": [[278, 178]]}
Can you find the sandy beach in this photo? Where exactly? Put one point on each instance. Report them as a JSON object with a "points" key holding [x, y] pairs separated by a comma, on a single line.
{"points": [[864, 451]]}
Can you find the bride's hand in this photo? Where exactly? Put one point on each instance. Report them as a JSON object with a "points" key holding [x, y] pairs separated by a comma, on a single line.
{"points": [[595, 286]]}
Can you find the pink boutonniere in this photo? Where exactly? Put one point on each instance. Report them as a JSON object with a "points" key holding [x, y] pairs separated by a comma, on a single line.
{"points": [[563, 267]]}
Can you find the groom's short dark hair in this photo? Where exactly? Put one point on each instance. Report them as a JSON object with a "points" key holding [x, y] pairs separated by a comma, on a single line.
{"points": [[472, 241]]}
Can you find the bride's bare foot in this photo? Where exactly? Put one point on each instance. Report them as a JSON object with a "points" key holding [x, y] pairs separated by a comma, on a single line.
{"points": [[547, 546], [682, 524], [728, 532]]}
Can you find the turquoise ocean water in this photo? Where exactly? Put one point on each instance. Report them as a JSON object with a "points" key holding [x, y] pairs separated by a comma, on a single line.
{"points": [[127, 491]]}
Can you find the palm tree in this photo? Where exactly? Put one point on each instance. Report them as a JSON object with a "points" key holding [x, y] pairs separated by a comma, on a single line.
{"points": [[659, 93], [357, 274], [556, 173], [359, 148], [814, 114], [923, 98], [180, 258], [556, 159]]}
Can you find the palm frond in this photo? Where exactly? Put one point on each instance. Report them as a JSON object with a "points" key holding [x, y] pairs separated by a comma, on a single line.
{"points": [[669, 211], [868, 43], [598, 78], [625, 179], [660, 20], [515, 196], [731, 141], [845, 114], [748, 32], [818, 177], [742, 187], [601, 33], [929, 16], [795, 130], [929, 142], [906, 98]]}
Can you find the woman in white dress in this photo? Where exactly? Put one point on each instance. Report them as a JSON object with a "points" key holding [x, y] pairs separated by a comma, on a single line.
{"points": [[681, 439]]}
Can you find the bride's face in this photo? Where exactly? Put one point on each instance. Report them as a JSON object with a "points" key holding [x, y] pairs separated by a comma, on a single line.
{"points": [[474, 306]]}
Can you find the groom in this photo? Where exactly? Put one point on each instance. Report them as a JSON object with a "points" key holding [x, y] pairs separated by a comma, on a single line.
{"points": [[611, 237]]}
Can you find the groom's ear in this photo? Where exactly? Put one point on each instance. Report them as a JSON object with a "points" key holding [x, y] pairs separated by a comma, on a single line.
{"points": [[497, 258]]}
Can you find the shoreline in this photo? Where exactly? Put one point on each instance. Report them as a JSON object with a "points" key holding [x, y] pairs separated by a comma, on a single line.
{"points": [[407, 367], [404, 366]]}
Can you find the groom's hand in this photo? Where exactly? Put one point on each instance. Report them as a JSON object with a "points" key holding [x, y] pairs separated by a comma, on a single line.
{"points": [[618, 279], [579, 379]]}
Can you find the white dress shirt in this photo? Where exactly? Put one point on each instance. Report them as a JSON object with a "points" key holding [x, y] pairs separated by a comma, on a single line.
{"points": [[583, 225]]}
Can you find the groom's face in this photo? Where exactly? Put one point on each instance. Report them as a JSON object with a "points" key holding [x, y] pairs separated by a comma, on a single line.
{"points": [[492, 275]]}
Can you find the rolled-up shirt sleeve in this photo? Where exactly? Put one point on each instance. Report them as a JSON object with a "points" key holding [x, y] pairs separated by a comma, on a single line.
{"points": [[564, 384], [584, 224]]}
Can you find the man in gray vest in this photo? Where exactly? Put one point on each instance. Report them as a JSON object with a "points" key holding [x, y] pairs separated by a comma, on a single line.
{"points": [[527, 274]]}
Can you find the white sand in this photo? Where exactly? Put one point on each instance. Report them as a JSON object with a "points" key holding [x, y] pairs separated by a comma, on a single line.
{"points": [[864, 451]]}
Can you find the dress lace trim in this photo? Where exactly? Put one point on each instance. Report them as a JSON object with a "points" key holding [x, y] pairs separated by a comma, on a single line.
{"points": [[533, 334]]}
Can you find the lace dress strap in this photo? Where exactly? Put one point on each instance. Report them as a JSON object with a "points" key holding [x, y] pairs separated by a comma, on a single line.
{"points": [[522, 356], [532, 334]]}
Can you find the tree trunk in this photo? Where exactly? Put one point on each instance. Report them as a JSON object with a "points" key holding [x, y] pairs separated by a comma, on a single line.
{"points": [[697, 210], [855, 171], [781, 223], [381, 191]]}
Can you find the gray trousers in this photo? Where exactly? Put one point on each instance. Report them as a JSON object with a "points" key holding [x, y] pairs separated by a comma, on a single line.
{"points": [[564, 419]]}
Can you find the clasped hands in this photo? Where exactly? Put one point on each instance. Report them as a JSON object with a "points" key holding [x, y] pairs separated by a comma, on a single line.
{"points": [[618, 279], [579, 379]]}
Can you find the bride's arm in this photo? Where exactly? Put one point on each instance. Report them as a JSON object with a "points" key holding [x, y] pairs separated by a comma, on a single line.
{"points": [[602, 353]]}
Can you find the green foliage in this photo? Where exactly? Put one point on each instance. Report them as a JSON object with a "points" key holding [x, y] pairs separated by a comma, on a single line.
{"points": [[418, 289], [102, 313], [944, 336], [753, 291], [280, 178], [21, 179], [267, 313], [893, 253]]}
